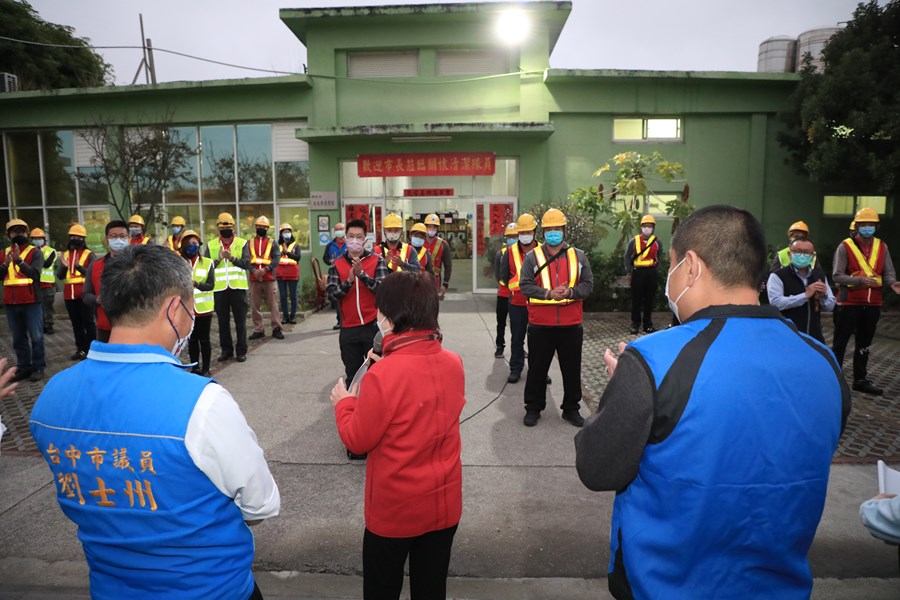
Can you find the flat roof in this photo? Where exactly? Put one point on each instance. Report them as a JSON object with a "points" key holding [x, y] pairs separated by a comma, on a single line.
{"points": [[581, 75]]}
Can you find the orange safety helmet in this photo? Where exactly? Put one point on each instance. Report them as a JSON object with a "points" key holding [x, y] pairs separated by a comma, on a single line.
{"points": [[78, 230], [37, 232]]}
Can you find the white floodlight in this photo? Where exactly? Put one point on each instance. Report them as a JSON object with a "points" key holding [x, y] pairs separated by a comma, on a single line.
{"points": [[513, 26]]}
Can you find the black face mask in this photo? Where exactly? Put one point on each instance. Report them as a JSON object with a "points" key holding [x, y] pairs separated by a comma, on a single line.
{"points": [[20, 240], [76, 244], [226, 233], [262, 232]]}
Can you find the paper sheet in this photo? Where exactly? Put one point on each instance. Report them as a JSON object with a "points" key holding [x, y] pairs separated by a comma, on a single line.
{"points": [[888, 479]]}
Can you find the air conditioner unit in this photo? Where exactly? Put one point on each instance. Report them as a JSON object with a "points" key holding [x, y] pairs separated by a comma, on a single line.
{"points": [[9, 82]]}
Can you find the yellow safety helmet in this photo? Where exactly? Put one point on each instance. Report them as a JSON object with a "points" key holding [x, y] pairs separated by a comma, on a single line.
{"points": [[16, 223], [225, 220], [78, 230], [191, 233], [137, 219], [178, 221], [262, 222], [419, 227], [284, 226], [648, 219], [852, 225], [432, 219], [554, 218], [799, 226], [867, 215], [526, 222], [511, 230], [37, 232], [392, 220]]}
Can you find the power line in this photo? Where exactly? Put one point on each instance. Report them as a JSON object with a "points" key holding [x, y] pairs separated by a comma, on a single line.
{"points": [[155, 49]]}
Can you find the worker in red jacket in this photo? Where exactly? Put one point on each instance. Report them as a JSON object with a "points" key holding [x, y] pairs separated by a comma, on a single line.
{"points": [[117, 240], [410, 428]]}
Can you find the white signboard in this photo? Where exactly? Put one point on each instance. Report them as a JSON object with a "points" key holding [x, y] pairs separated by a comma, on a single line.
{"points": [[323, 201], [324, 238]]}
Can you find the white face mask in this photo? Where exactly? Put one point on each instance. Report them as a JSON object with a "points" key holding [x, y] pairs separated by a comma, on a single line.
{"points": [[432, 232], [647, 231], [383, 332], [181, 342], [392, 237], [287, 235], [673, 304], [526, 238]]}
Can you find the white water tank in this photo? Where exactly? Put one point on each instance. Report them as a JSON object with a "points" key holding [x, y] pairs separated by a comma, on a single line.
{"points": [[777, 55], [813, 42]]}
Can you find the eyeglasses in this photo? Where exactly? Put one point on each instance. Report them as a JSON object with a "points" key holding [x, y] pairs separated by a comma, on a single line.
{"points": [[361, 238], [809, 253], [117, 236]]}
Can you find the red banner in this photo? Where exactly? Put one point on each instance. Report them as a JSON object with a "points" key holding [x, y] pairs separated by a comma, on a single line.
{"points": [[430, 192], [425, 165], [479, 228], [501, 215]]}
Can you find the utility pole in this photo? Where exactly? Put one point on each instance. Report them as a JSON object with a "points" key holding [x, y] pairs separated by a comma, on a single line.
{"points": [[147, 64]]}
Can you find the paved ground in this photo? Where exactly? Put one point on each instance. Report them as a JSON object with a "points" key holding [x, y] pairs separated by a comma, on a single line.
{"points": [[529, 528]]}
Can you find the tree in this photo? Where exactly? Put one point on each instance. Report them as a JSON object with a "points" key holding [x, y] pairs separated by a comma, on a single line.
{"points": [[136, 163], [843, 124], [46, 67]]}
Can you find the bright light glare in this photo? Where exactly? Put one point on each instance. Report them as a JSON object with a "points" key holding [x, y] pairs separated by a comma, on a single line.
{"points": [[513, 26]]}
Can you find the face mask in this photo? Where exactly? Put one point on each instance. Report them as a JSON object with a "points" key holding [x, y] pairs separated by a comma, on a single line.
{"points": [[339, 234], [118, 244], [260, 232], [226, 233], [20, 240], [392, 237], [286, 235], [867, 231], [417, 242], [37, 243], [383, 332], [181, 342], [176, 230], [191, 250], [801, 261], [134, 231], [673, 304], [355, 246], [526, 238], [511, 241], [647, 231], [76, 244], [553, 238], [432, 233]]}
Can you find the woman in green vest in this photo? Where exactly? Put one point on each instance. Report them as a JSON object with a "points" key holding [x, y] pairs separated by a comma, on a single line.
{"points": [[204, 281]]}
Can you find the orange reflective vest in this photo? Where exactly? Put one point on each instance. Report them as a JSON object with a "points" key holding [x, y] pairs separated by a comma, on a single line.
{"points": [[18, 288], [860, 266], [563, 270], [261, 256], [74, 281], [502, 288], [403, 253], [645, 254], [173, 244], [288, 268]]}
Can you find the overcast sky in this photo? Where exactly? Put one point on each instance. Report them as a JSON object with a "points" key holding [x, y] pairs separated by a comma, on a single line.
{"points": [[711, 35]]}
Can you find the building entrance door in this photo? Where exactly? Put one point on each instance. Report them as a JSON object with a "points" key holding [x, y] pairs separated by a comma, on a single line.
{"points": [[370, 210], [491, 218]]}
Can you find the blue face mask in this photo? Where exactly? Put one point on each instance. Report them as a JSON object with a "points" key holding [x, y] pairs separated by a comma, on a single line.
{"points": [[553, 238], [176, 229], [867, 231], [417, 242], [191, 250], [801, 261], [511, 241]]}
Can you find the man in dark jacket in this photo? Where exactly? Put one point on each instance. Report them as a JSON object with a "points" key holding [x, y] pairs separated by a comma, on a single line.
{"points": [[333, 250], [801, 292]]}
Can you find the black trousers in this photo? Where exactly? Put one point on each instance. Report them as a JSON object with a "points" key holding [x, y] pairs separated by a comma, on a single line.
{"points": [[337, 309], [230, 302], [429, 561], [83, 325], [543, 342], [643, 295], [502, 314], [518, 327], [48, 296], [355, 344], [199, 344], [256, 595], [860, 322]]}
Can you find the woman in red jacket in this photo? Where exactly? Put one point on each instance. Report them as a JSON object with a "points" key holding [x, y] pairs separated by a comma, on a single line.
{"points": [[406, 417]]}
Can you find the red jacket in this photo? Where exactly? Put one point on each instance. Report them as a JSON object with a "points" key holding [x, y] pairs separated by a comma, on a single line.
{"points": [[96, 271], [407, 419]]}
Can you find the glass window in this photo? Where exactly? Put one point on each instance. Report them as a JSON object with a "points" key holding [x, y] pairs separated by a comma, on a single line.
{"points": [[461, 185], [292, 180], [58, 150], [190, 212], [656, 203], [184, 188], [663, 129], [92, 192], [249, 213], [838, 205], [354, 186], [879, 203], [217, 163], [211, 214], [24, 169], [628, 129], [59, 221], [254, 162], [504, 181], [95, 220], [298, 217], [635, 130], [33, 216]]}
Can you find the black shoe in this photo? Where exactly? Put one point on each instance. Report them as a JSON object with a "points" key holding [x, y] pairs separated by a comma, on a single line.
{"points": [[292, 321], [241, 358], [498, 353], [549, 381], [531, 418], [196, 370], [21, 375], [634, 329], [256, 335], [205, 373], [650, 329], [276, 333], [865, 386], [336, 327], [573, 417], [225, 356], [514, 377], [36, 375], [78, 356], [352, 456]]}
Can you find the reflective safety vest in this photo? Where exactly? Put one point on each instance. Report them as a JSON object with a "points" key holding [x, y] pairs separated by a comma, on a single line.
{"points": [[435, 245], [422, 255], [502, 288], [404, 253], [139, 241], [48, 277], [204, 302], [645, 254], [859, 266], [556, 312], [18, 288], [515, 266], [74, 281], [229, 275], [263, 260], [288, 268], [173, 244]]}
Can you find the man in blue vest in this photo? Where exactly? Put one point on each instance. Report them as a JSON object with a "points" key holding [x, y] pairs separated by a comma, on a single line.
{"points": [[156, 466], [719, 461]]}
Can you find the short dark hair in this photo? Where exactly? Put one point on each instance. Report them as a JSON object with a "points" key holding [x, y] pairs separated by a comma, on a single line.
{"points": [[114, 224], [410, 300], [136, 280], [357, 223], [800, 241], [730, 241]]}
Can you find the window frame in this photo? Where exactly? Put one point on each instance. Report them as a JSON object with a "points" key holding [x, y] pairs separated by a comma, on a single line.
{"points": [[645, 127], [857, 205]]}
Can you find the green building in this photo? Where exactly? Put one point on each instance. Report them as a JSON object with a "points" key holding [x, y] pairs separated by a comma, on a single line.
{"points": [[420, 109]]}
